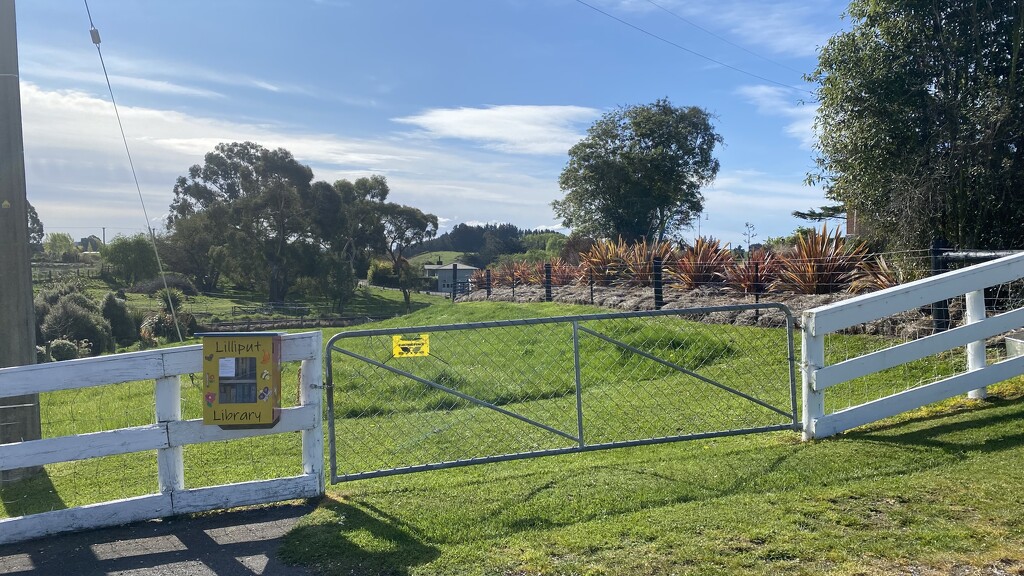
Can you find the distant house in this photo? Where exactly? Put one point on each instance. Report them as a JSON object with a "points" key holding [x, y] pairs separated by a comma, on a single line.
{"points": [[444, 275]]}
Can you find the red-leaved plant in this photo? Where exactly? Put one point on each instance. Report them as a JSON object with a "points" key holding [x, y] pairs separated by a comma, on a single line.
{"points": [[703, 264], [821, 263]]}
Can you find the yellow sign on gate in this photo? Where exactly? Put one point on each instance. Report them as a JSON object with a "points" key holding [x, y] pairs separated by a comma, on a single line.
{"points": [[410, 347]]}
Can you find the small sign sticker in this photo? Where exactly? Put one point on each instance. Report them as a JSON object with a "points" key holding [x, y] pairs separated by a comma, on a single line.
{"points": [[402, 347], [226, 367]]}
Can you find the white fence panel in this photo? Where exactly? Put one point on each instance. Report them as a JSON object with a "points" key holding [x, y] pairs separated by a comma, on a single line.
{"points": [[167, 436], [971, 281]]}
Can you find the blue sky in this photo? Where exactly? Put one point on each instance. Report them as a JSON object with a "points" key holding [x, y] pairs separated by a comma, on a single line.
{"points": [[468, 107]]}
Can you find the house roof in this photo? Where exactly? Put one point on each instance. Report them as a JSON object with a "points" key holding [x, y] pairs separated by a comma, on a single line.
{"points": [[448, 266]]}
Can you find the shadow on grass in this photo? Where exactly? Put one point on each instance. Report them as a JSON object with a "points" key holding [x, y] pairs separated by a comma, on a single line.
{"points": [[373, 302], [918, 432], [30, 496], [367, 540]]}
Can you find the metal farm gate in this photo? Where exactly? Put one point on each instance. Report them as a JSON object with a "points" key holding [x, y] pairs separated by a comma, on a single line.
{"points": [[411, 399]]}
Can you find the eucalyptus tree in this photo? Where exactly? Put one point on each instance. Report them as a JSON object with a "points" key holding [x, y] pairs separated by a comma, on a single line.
{"points": [[262, 223], [404, 227]]}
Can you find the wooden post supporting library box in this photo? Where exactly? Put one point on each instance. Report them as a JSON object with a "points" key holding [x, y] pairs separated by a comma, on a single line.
{"points": [[241, 379]]}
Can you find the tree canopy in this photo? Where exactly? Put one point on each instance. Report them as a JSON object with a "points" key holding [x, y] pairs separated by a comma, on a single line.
{"points": [[35, 229], [921, 121], [404, 227], [255, 216], [257, 195], [132, 258], [639, 172]]}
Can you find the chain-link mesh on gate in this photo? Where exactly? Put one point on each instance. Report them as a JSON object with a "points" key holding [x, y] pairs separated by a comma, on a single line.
{"points": [[419, 398]]}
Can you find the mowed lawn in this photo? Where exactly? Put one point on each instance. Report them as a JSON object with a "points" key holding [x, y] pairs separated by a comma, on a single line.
{"points": [[934, 492]]}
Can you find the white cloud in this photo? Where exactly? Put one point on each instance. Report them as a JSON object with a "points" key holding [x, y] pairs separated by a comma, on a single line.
{"points": [[150, 75], [775, 101], [78, 174], [791, 27], [766, 201], [548, 130]]}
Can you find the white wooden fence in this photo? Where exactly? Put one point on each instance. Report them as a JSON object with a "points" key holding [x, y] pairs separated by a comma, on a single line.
{"points": [[166, 436], [818, 377]]}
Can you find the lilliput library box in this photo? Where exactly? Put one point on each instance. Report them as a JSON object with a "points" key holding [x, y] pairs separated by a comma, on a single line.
{"points": [[241, 379]]}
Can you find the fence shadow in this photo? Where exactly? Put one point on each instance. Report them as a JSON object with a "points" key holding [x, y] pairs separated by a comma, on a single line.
{"points": [[30, 495], [907, 432], [368, 541]]}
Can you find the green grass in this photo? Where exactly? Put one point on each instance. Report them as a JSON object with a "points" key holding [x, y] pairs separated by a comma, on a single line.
{"points": [[446, 256], [921, 494]]}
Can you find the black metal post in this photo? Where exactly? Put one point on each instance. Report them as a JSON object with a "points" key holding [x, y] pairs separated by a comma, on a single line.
{"points": [[513, 285], [487, 281], [659, 299], [547, 282], [591, 286], [455, 280], [757, 291], [940, 310]]}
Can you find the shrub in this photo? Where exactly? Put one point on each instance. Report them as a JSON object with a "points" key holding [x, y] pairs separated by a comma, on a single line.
{"points": [[639, 261], [821, 263], [605, 262], [530, 273], [754, 275], [382, 273], [122, 326], [46, 298], [705, 263], [42, 355], [170, 298], [174, 280], [563, 273], [61, 349], [874, 274], [71, 318], [161, 324]]}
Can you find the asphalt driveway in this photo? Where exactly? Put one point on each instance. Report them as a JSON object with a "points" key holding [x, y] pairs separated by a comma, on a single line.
{"points": [[233, 543]]}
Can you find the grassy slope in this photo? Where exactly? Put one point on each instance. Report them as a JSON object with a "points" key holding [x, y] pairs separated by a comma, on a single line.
{"points": [[447, 257], [926, 493]]}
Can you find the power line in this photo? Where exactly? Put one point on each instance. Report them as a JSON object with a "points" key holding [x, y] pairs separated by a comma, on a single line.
{"points": [[95, 35], [727, 41], [693, 52]]}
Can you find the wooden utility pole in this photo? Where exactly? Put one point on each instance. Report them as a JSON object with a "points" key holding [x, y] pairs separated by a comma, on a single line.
{"points": [[19, 415]]}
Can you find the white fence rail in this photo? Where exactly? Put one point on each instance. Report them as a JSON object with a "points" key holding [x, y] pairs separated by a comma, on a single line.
{"points": [[167, 436], [971, 281]]}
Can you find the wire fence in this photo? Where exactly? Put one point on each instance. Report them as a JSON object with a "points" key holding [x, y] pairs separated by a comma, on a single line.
{"points": [[756, 276], [402, 400]]}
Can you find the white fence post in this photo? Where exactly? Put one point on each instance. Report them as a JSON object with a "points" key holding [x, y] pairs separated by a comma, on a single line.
{"points": [[812, 357], [976, 350], [310, 395], [170, 461]]}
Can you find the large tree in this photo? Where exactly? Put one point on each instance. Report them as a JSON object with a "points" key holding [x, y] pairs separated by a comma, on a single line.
{"points": [[921, 120], [35, 229], [639, 172], [405, 227], [259, 194], [347, 225], [132, 258], [60, 247]]}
